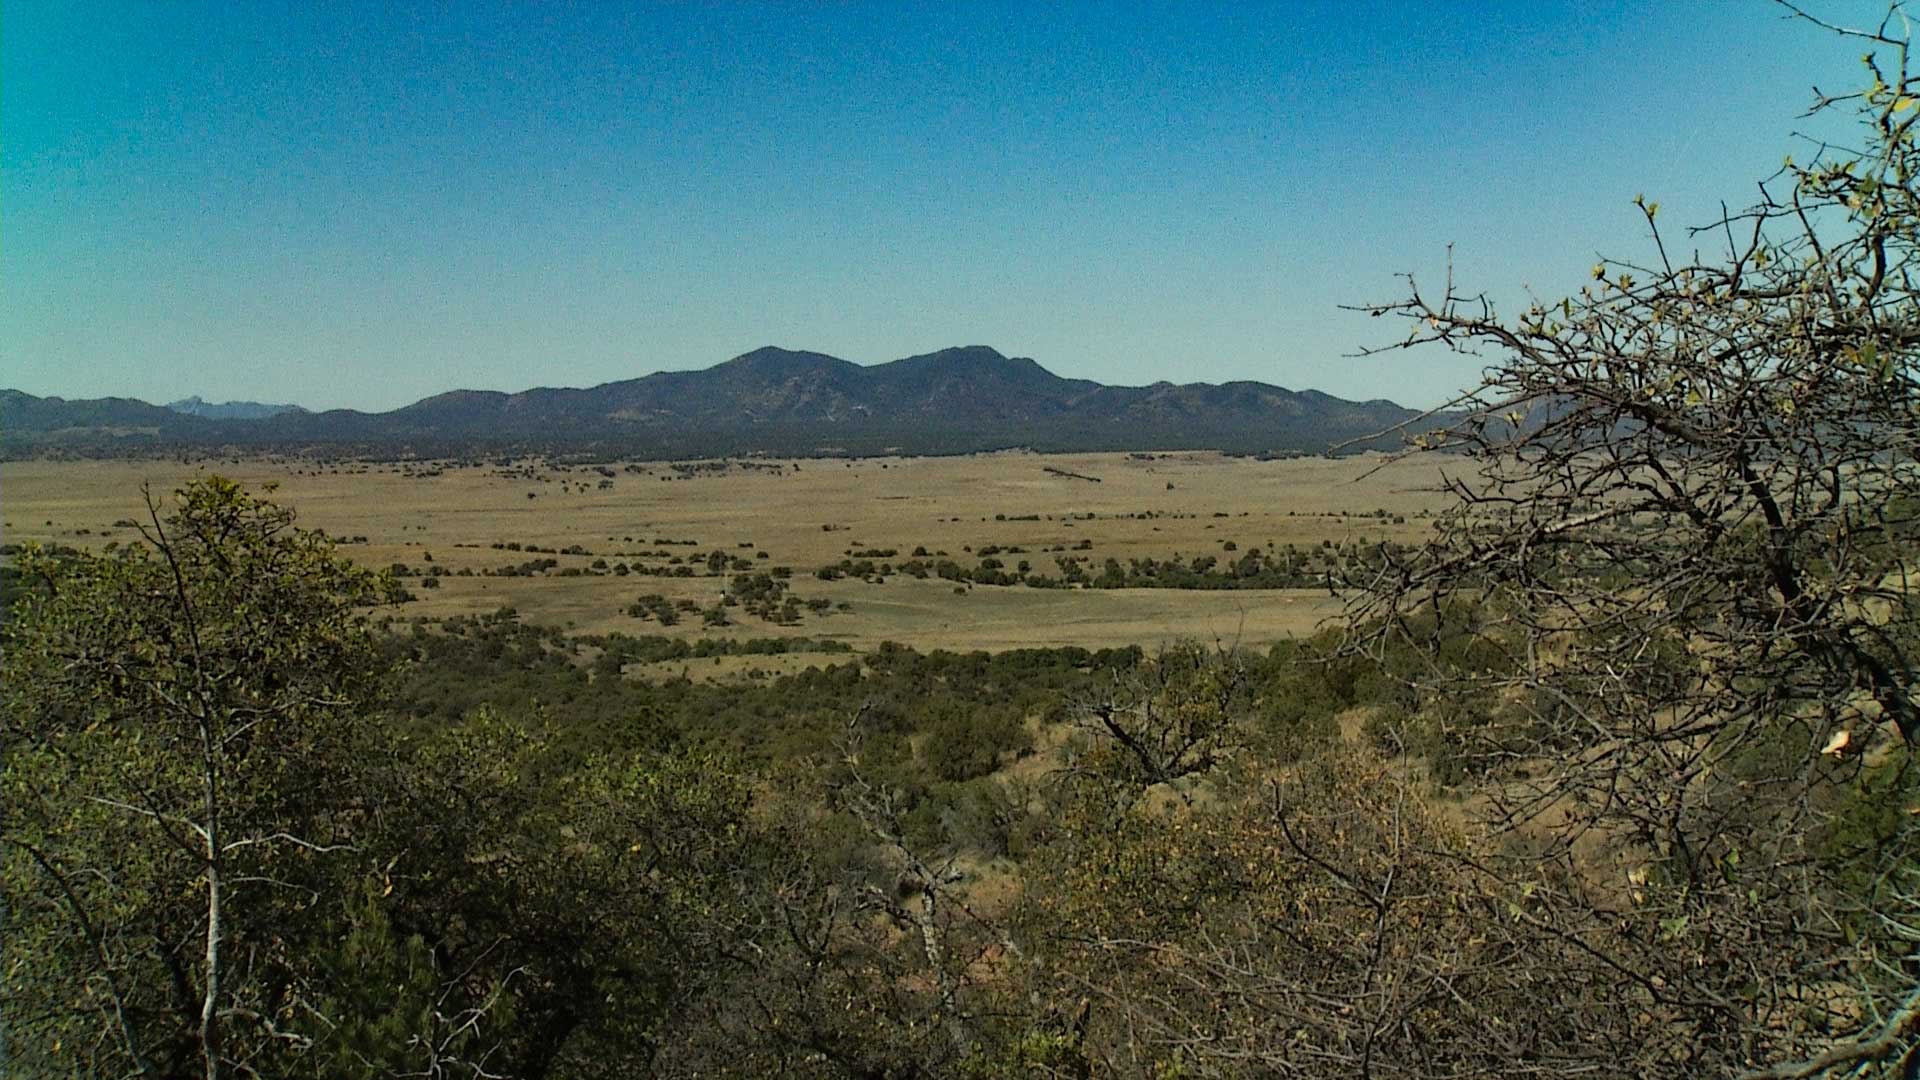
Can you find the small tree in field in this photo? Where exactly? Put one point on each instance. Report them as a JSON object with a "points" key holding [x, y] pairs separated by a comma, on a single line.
{"points": [[180, 714], [1687, 508]]}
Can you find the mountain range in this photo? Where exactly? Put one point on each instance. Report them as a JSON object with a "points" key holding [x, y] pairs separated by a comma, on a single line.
{"points": [[770, 400]]}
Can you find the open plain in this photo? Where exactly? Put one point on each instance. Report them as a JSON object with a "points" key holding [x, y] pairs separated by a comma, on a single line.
{"points": [[472, 520]]}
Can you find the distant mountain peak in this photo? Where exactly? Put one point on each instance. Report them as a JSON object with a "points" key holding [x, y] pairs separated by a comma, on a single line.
{"points": [[970, 352], [960, 356], [775, 353], [195, 405], [774, 359]]}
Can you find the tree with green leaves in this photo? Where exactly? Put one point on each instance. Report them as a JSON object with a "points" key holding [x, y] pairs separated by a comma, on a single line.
{"points": [[222, 860], [182, 716], [602, 898]]}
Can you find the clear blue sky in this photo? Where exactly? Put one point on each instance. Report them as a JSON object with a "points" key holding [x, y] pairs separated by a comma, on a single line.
{"points": [[363, 203]]}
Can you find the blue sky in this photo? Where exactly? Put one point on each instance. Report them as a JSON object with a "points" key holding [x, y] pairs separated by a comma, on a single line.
{"points": [[362, 204]]}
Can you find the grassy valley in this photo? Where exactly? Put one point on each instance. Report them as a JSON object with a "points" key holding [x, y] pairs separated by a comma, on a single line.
{"points": [[462, 524]]}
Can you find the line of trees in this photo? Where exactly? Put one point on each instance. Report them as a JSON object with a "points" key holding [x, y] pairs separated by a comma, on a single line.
{"points": [[1284, 568]]}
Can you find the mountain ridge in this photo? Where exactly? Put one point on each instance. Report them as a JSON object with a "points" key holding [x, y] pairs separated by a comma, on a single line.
{"points": [[770, 399]]}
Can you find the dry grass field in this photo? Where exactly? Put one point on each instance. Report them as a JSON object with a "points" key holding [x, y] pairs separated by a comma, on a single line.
{"points": [[802, 514]]}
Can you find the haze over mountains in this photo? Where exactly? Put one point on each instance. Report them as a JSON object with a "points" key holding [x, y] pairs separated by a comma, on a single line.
{"points": [[769, 400]]}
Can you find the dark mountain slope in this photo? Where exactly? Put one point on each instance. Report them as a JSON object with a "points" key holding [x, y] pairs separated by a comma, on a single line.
{"points": [[25, 414]]}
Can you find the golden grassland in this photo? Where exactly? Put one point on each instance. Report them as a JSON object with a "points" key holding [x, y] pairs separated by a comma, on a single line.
{"points": [[803, 514]]}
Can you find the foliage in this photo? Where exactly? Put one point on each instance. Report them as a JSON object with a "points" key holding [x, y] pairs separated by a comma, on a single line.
{"points": [[1322, 919], [1687, 530], [964, 742], [217, 863], [602, 913], [1174, 717], [182, 717]]}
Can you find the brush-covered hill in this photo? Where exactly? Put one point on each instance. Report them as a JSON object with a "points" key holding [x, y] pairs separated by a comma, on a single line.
{"points": [[770, 400]]}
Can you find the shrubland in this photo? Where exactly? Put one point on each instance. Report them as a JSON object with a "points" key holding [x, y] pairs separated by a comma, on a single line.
{"points": [[250, 832]]}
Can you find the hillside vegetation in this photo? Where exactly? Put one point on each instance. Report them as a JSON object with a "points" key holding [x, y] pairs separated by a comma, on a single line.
{"points": [[258, 818]]}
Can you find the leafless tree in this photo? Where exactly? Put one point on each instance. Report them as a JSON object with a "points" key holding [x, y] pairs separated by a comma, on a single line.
{"points": [[1174, 717], [1685, 507]]}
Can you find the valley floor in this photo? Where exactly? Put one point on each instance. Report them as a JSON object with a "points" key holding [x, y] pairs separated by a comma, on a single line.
{"points": [[470, 521]]}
